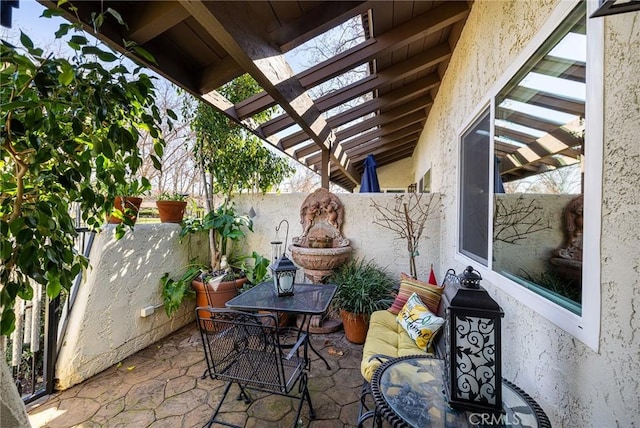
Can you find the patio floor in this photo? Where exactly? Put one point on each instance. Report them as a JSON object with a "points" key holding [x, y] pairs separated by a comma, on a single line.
{"points": [[160, 386]]}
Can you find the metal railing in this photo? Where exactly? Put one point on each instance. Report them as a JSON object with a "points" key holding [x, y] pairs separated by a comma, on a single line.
{"points": [[32, 349]]}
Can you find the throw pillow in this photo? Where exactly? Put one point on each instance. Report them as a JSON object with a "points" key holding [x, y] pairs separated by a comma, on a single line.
{"points": [[419, 322], [428, 293]]}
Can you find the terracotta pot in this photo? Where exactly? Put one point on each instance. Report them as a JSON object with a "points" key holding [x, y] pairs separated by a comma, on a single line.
{"points": [[216, 298], [171, 211], [282, 317], [355, 326], [123, 203]]}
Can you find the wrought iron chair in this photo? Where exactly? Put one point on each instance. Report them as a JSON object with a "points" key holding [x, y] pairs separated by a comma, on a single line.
{"points": [[246, 349]]}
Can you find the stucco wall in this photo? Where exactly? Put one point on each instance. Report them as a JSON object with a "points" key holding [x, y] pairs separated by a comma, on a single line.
{"points": [[367, 239], [396, 175], [575, 385], [105, 325]]}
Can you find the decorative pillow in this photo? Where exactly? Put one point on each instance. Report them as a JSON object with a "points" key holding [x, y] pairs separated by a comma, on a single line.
{"points": [[428, 293], [419, 322]]}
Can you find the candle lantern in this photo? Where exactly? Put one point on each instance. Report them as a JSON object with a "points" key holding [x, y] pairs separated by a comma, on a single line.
{"points": [[283, 270], [473, 355]]}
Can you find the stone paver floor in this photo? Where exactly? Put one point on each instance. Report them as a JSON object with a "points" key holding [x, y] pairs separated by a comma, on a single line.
{"points": [[161, 386]]}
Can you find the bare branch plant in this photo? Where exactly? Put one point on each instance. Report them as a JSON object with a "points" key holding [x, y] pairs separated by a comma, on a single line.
{"points": [[407, 219], [517, 221]]}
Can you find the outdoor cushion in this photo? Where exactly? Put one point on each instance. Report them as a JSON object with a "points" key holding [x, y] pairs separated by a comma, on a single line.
{"points": [[419, 322], [385, 337], [429, 293]]}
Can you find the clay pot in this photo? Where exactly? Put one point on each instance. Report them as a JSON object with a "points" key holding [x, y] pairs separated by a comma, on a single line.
{"points": [[282, 317], [123, 203], [171, 211], [216, 298], [355, 326]]}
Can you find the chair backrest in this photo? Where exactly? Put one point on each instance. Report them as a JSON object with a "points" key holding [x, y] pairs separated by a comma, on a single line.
{"points": [[244, 347]]}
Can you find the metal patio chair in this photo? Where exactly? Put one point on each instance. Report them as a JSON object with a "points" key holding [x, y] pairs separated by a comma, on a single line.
{"points": [[246, 349]]}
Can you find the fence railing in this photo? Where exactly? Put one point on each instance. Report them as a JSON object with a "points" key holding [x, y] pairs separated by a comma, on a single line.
{"points": [[32, 348]]}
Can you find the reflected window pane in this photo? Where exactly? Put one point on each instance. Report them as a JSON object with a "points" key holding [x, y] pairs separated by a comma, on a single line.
{"points": [[539, 152]]}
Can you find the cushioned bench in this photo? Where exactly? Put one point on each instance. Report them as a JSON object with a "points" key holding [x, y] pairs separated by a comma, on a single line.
{"points": [[387, 339]]}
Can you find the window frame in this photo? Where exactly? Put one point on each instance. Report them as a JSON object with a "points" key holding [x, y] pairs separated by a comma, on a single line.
{"points": [[584, 327]]}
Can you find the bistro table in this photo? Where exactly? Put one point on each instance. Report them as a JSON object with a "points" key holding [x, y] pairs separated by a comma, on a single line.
{"points": [[307, 300], [409, 392]]}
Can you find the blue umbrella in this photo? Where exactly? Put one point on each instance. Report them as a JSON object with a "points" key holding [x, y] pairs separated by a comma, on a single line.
{"points": [[369, 182]]}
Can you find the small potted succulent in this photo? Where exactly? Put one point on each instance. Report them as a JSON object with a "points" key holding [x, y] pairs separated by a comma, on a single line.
{"points": [[171, 207]]}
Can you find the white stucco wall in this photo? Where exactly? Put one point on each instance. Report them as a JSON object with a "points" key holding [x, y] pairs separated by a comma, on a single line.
{"points": [[576, 386], [105, 325], [367, 239]]}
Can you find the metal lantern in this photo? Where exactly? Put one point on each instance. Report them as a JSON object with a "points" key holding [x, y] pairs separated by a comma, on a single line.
{"points": [[473, 357], [283, 270]]}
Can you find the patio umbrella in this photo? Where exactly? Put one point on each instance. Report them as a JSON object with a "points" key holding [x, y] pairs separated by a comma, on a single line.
{"points": [[369, 182]]}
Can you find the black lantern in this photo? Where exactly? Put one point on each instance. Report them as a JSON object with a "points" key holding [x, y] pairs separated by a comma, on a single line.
{"points": [[283, 270], [473, 357]]}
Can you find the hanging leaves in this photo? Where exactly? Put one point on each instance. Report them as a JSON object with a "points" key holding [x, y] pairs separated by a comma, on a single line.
{"points": [[69, 131]]}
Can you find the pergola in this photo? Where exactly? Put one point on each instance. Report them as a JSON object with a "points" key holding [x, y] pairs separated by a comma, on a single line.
{"points": [[201, 45]]}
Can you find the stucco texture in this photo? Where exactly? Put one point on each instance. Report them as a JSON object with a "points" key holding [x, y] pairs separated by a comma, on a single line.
{"points": [[105, 325], [575, 385], [368, 240]]}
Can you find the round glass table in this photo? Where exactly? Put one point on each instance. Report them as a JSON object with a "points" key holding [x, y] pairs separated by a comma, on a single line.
{"points": [[409, 392]]}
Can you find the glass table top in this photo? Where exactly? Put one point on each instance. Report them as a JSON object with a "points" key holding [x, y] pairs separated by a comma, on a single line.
{"points": [[411, 391], [308, 299]]}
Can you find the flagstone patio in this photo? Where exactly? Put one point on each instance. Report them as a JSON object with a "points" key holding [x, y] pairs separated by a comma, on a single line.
{"points": [[161, 386]]}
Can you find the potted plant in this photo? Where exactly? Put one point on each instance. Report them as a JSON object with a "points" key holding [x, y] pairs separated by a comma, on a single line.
{"points": [[363, 288], [171, 207], [127, 204]]}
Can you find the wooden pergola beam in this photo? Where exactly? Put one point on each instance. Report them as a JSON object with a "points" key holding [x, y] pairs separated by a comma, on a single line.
{"points": [[154, 19], [428, 23], [269, 68]]}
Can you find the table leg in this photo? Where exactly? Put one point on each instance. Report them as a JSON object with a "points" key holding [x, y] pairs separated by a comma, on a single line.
{"points": [[306, 324]]}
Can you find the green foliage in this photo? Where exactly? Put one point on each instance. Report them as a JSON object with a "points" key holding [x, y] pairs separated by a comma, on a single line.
{"points": [[363, 287], [166, 196], [256, 267], [68, 133], [175, 291], [234, 160], [227, 226]]}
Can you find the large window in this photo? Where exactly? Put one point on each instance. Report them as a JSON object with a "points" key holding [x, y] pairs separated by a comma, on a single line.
{"points": [[522, 175]]}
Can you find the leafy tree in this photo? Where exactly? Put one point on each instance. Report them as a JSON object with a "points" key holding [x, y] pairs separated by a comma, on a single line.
{"points": [[69, 130], [233, 161]]}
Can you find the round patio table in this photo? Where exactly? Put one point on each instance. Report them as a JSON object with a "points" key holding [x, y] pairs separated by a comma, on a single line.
{"points": [[409, 392]]}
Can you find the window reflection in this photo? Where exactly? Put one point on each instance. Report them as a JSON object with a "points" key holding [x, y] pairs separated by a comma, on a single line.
{"points": [[539, 149]]}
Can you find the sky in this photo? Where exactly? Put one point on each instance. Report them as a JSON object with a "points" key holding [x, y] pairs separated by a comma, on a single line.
{"points": [[26, 17]]}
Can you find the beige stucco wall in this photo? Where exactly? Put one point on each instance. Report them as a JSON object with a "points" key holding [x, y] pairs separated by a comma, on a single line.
{"points": [[576, 386], [396, 175], [367, 239], [105, 325]]}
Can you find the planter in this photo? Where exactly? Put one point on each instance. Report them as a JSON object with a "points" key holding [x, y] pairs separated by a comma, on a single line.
{"points": [[282, 317], [216, 298], [130, 203], [355, 326], [171, 211]]}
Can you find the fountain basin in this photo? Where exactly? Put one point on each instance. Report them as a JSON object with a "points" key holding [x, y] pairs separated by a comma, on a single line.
{"points": [[318, 263]]}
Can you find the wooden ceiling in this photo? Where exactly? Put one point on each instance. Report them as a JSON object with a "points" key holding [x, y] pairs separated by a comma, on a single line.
{"points": [[201, 45]]}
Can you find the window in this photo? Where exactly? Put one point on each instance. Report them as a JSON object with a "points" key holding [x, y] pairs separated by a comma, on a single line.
{"points": [[523, 168], [474, 190]]}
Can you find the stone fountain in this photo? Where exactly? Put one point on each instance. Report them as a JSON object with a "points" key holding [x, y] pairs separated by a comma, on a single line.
{"points": [[321, 248]]}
